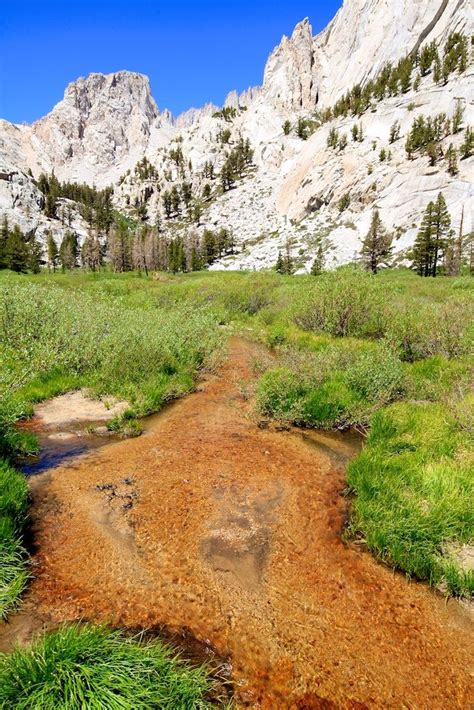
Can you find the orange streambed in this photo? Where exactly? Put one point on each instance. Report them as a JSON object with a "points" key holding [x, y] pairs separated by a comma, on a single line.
{"points": [[210, 523]]}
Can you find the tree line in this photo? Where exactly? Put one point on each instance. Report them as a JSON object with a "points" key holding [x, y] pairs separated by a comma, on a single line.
{"points": [[95, 206]]}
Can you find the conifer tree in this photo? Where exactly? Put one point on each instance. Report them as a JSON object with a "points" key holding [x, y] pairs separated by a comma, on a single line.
{"points": [[317, 266], [394, 132], [16, 251], [139, 261], [119, 247], [35, 253], [280, 265], [467, 146], [52, 249], [433, 238], [208, 248], [91, 255], [3, 242], [69, 251], [457, 116], [167, 203], [451, 157], [377, 245]]}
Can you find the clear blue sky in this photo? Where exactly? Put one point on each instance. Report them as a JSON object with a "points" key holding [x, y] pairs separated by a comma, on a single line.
{"points": [[193, 50]]}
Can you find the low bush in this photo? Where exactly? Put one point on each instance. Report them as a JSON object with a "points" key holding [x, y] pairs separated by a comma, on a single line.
{"points": [[349, 301]]}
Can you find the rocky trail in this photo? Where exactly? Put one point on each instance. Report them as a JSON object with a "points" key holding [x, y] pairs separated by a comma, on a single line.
{"points": [[211, 524]]}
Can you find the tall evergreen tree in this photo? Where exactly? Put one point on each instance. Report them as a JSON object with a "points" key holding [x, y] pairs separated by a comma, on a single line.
{"points": [[119, 248], [35, 254], [280, 264], [16, 251], [377, 245], [317, 266], [69, 251], [433, 238], [53, 254], [3, 242]]}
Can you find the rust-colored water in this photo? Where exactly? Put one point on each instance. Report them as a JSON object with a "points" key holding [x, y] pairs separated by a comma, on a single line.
{"points": [[210, 523]]}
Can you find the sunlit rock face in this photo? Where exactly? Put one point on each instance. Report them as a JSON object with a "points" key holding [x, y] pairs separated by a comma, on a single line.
{"points": [[106, 124]]}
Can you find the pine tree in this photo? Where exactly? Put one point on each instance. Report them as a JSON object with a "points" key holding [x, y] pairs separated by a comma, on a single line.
{"points": [[69, 251], [91, 255], [457, 116], [394, 132], [451, 158], [467, 146], [138, 251], [454, 253], [302, 129], [175, 199], [280, 264], [167, 203], [286, 128], [208, 248], [423, 246], [289, 266], [377, 245], [4, 231], [16, 251], [119, 248], [333, 138], [317, 266], [53, 253], [441, 231], [35, 253], [433, 238]]}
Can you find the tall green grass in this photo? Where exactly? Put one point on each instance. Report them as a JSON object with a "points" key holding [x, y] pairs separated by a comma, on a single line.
{"points": [[50, 342], [13, 511], [95, 668], [414, 491]]}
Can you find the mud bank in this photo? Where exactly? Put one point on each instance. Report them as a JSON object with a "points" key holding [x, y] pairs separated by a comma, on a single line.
{"points": [[209, 523]]}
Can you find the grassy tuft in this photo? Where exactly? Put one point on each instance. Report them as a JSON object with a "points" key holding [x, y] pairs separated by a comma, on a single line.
{"points": [[99, 669], [414, 488], [13, 508]]}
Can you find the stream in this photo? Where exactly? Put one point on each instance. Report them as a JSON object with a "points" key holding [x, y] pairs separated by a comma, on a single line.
{"points": [[227, 534]]}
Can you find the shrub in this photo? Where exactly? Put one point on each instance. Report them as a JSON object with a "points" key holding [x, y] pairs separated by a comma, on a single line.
{"points": [[430, 329], [346, 302]]}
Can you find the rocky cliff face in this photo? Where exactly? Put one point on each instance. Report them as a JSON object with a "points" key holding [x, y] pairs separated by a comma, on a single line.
{"points": [[101, 122], [106, 124]]}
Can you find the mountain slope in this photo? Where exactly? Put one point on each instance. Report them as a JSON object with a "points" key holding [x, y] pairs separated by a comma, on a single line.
{"points": [[106, 125]]}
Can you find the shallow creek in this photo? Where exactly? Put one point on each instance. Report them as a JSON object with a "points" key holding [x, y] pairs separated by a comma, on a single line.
{"points": [[222, 530]]}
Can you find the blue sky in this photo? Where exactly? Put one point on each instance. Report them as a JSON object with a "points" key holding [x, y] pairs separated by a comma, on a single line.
{"points": [[193, 50]]}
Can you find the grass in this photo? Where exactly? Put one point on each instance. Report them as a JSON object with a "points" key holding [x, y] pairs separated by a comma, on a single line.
{"points": [[413, 487], [99, 669], [13, 511]]}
